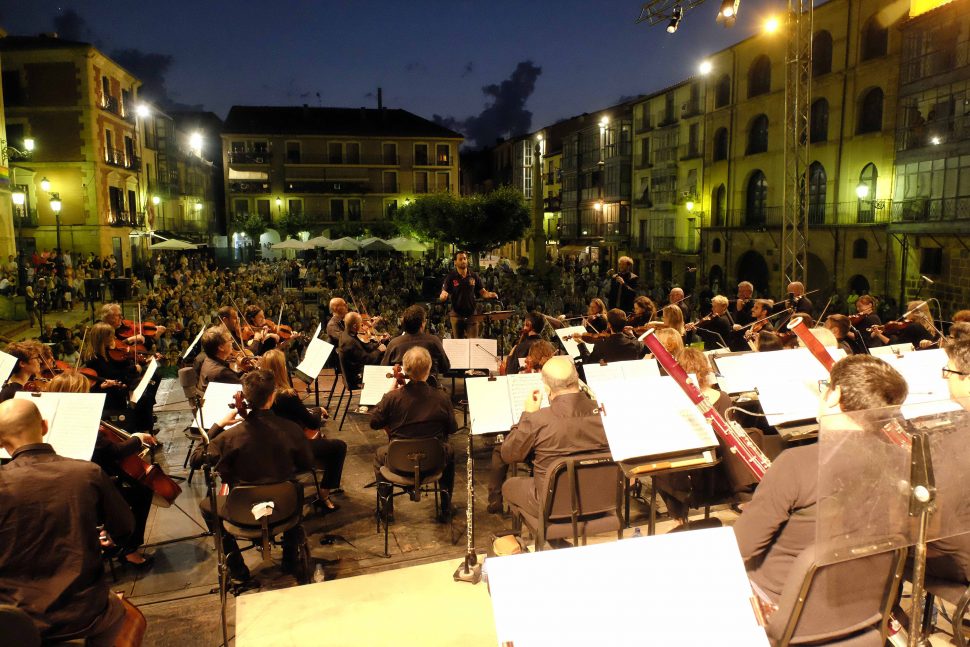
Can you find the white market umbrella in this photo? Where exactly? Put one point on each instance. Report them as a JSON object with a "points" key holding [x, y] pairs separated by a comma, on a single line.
{"points": [[319, 241], [367, 241], [376, 245], [344, 244], [404, 244], [291, 243], [173, 244]]}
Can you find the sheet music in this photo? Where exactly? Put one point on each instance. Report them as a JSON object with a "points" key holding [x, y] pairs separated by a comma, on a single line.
{"points": [[571, 345], [489, 405], [194, 342], [784, 400], [485, 357], [600, 377], [457, 351], [674, 426], [7, 364], [146, 379], [316, 356], [216, 403], [316, 333], [749, 371], [72, 421], [376, 384], [922, 373], [893, 349], [521, 386]]}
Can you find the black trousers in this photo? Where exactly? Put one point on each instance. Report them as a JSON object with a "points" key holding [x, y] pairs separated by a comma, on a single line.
{"points": [[329, 454], [139, 499]]}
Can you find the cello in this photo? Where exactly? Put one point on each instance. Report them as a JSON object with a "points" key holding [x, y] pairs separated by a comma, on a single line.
{"points": [[141, 468]]}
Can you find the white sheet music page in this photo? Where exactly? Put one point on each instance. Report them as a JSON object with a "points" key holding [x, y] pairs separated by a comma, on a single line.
{"points": [[376, 384], [572, 346], [194, 342], [601, 377], [72, 421], [674, 425], [483, 353], [316, 333], [457, 351], [521, 386], [316, 356], [749, 371], [635, 368], [489, 406], [7, 364], [146, 379], [892, 349], [216, 403], [784, 400], [922, 373]]}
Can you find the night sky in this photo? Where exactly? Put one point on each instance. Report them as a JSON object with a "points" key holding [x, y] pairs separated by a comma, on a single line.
{"points": [[550, 59]]}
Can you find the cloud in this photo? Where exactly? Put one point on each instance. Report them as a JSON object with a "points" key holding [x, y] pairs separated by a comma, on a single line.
{"points": [[70, 25], [468, 69], [506, 115]]}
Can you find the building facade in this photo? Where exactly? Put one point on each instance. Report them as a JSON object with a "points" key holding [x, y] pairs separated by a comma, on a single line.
{"points": [[79, 108], [333, 165]]}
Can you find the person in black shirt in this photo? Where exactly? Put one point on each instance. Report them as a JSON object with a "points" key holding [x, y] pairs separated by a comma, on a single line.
{"points": [[116, 375], [28, 366], [860, 333], [618, 347], [624, 285], [715, 328], [798, 300], [356, 354], [50, 557], [463, 286], [217, 346], [917, 328], [413, 322], [531, 328]]}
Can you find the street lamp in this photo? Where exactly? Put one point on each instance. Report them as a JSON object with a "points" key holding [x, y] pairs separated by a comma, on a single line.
{"points": [[142, 110], [862, 191], [197, 206], [705, 68], [156, 200], [55, 202], [195, 143], [45, 185], [690, 206]]}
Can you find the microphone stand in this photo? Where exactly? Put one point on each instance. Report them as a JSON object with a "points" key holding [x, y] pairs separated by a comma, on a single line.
{"points": [[222, 568]]}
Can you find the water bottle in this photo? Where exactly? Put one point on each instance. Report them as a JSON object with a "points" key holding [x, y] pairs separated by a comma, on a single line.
{"points": [[318, 575], [636, 532]]}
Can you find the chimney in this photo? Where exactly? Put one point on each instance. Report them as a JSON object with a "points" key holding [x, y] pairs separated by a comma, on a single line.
{"points": [[380, 98]]}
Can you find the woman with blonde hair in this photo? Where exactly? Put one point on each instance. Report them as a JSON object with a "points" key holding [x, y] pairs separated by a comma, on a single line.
{"points": [[117, 375], [329, 453], [917, 329], [673, 317]]}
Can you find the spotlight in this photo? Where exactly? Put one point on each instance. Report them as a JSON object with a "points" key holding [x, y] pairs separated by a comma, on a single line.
{"points": [[705, 67], [675, 17], [728, 12]]}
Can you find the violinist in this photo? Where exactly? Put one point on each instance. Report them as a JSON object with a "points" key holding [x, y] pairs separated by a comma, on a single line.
{"points": [[28, 367], [797, 299], [218, 348], [263, 339], [864, 319], [414, 321], [529, 335], [745, 334], [338, 310], [741, 308], [714, 328], [229, 318], [673, 317], [116, 370], [644, 311], [617, 346], [839, 327], [676, 297], [111, 315], [107, 455], [328, 453], [623, 285], [539, 354], [462, 286], [914, 327], [596, 316], [355, 353]]}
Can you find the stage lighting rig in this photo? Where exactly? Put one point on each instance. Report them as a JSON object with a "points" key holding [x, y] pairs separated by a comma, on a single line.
{"points": [[669, 11]]}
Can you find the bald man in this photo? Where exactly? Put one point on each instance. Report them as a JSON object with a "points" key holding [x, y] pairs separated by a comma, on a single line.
{"points": [[339, 309], [570, 425], [50, 556]]}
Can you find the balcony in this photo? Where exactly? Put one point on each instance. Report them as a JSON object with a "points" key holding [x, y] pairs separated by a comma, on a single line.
{"points": [[689, 152], [126, 219], [858, 212], [642, 126], [669, 120], [250, 157], [642, 163], [24, 217], [925, 210], [326, 186], [343, 160], [690, 109], [552, 204], [110, 104], [116, 157], [249, 187]]}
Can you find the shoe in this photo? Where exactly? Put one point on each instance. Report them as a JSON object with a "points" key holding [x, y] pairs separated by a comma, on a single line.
{"points": [[325, 506], [138, 566]]}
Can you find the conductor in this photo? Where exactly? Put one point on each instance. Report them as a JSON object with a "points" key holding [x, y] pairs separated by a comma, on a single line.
{"points": [[463, 285]]}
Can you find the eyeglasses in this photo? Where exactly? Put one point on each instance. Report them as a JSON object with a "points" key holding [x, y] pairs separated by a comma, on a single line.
{"points": [[823, 386], [950, 371]]}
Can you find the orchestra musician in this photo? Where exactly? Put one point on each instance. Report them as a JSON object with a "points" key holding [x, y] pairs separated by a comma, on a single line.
{"points": [[329, 453], [263, 338], [539, 354], [915, 327], [673, 317], [401, 413], [218, 348], [229, 322], [779, 521], [414, 321], [27, 367], [839, 327], [462, 286], [741, 308], [617, 346], [676, 296], [50, 556], [111, 315], [116, 370], [644, 312], [262, 448], [355, 353], [797, 299], [596, 316], [335, 326], [745, 335], [531, 327], [570, 425], [108, 456], [714, 328], [623, 286], [864, 319]]}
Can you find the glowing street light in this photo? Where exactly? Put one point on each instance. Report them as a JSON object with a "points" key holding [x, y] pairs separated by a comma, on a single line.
{"points": [[772, 25], [29, 144], [690, 205], [862, 191], [45, 185], [705, 67], [19, 198], [156, 200], [142, 110], [197, 206], [195, 142]]}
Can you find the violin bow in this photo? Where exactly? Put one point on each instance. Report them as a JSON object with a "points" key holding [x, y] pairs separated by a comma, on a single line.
{"points": [[84, 338]]}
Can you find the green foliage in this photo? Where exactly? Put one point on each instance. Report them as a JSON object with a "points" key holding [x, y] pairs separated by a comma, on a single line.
{"points": [[383, 229], [476, 223], [291, 224], [253, 225]]}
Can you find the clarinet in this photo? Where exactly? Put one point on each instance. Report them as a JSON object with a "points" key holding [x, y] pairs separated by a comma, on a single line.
{"points": [[734, 437]]}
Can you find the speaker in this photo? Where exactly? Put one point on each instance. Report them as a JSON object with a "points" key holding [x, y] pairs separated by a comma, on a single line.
{"points": [[121, 289]]}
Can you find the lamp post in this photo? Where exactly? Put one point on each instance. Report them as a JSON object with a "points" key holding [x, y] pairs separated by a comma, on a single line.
{"points": [[19, 197], [55, 202]]}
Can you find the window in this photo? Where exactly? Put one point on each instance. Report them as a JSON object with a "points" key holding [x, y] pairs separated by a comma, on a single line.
{"points": [[390, 206], [129, 151], [860, 248], [668, 108], [336, 209], [105, 89], [867, 178], [722, 92], [353, 209], [420, 154], [644, 152], [821, 53], [13, 89], [117, 201], [263, 209], [294, 206], [758, 135], [443, 154], [389, 153], [390, 181], [293, 152], [692, 135], [931, 260], [816, 193], [240, 207], [870, 112], [819, 121], [352, 152], [421, 182], [875, 39], [718, 206], [759, 76], [720, 152], [716, 246], [756, 202], [442, 182], [261, 147], [335, 153]]}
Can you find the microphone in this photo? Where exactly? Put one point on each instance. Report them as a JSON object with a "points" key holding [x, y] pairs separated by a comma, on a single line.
{"points": [[927, 279]]}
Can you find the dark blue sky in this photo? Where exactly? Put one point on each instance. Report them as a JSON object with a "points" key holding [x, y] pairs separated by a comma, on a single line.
{"points": [[430, 57]]}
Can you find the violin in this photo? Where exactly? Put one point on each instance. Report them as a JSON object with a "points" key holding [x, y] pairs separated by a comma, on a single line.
{"points": [[142, 469], [650, 325], [240, 405], [591, 337], [890, 327], [243, 361], [129, 328], [694, 324], [856, 319], [400, 379]]}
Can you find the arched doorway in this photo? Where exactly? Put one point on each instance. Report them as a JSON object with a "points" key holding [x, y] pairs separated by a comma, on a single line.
{"points": [[819, 277], [752, 267], [858, 284], [715, 278]]}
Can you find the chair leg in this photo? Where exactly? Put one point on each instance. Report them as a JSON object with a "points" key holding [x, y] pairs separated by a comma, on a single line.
{"points": [[333, 388], [185, 463], [346, 409], [191, 472]]}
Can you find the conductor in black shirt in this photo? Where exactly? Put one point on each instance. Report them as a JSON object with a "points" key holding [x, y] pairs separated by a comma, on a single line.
{"points": [[463, 286], [624, 285]]}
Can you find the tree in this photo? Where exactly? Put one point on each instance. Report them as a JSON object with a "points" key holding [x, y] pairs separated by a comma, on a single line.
{"points": [[477, 223], [292, 223], [254, 226]]}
